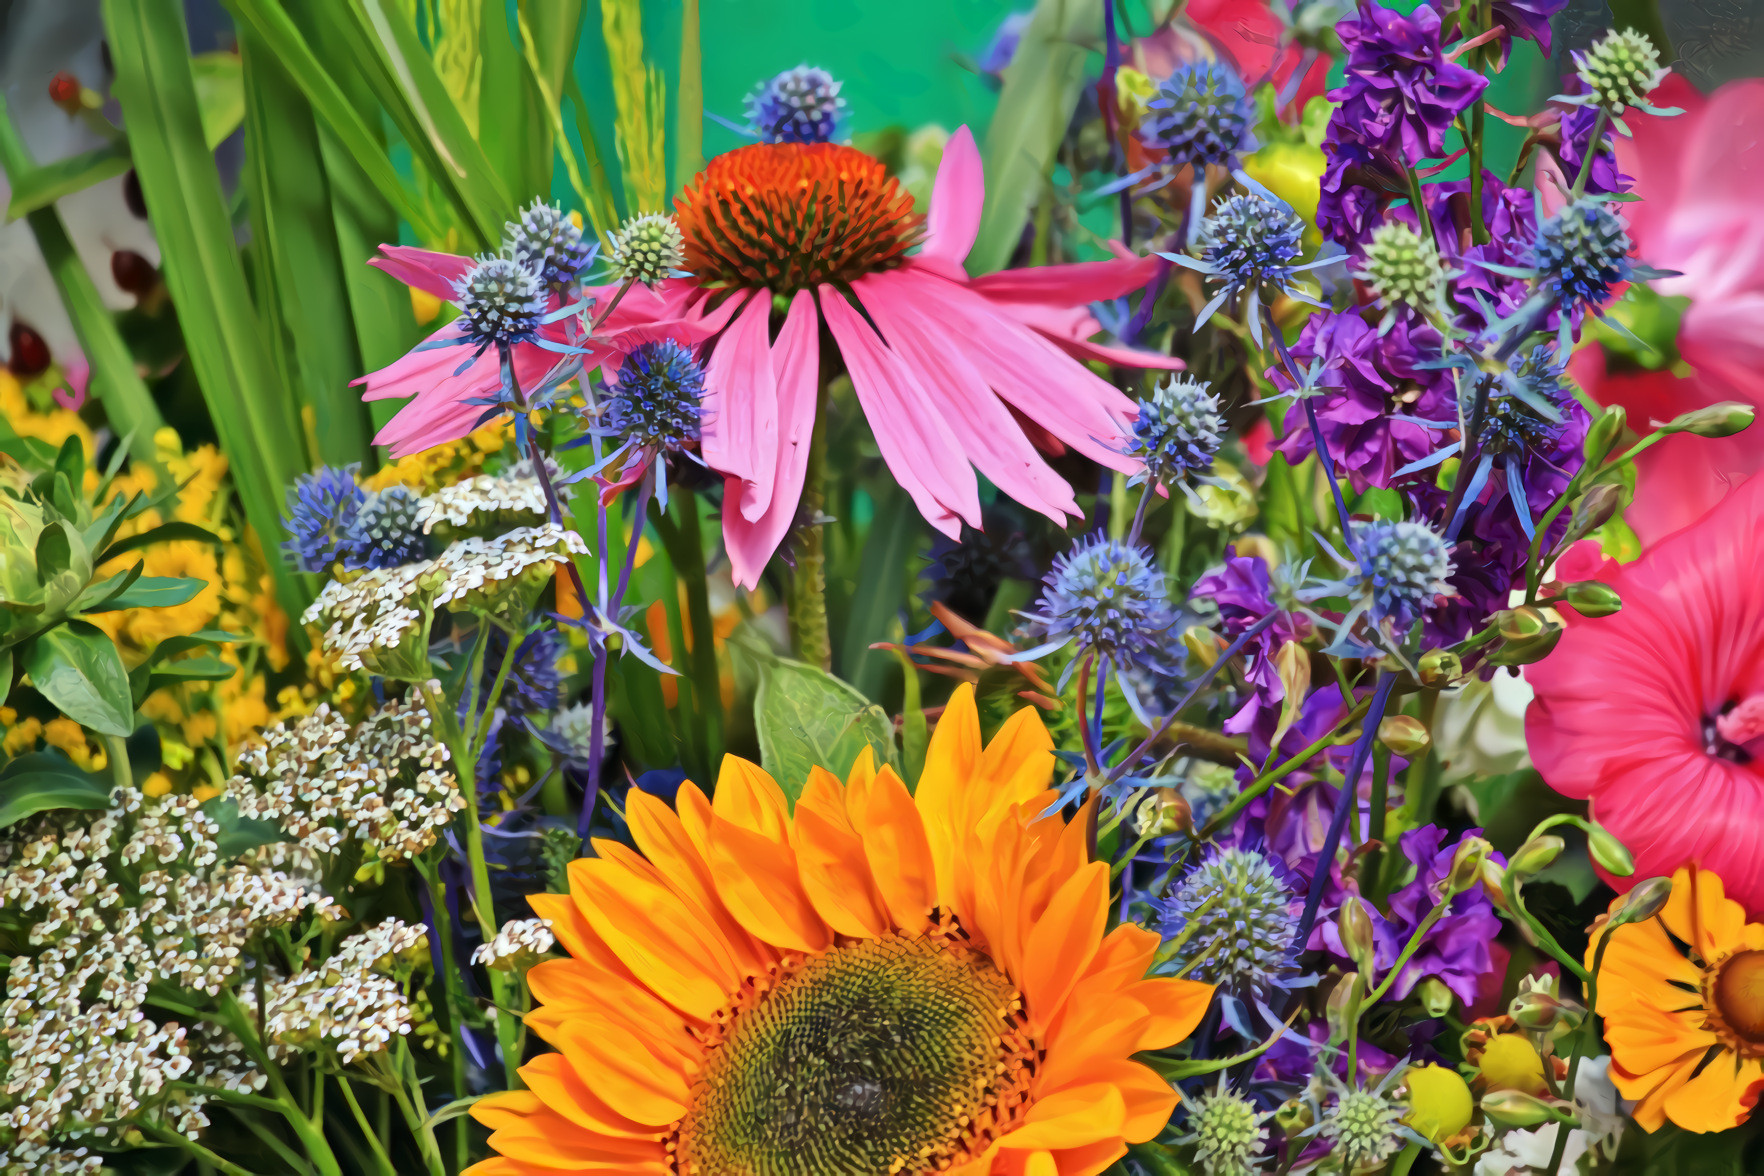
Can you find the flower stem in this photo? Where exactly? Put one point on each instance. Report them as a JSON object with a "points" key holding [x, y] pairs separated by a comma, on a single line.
{"points": [[1592, 1006], [681, 534], [809, 636]]}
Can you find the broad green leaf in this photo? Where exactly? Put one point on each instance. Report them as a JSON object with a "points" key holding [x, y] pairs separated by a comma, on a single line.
{"points": [[254, 415], [806, 717], [1041, 88], [76, 667], [5, 674], [94, 598], [164, 533], [64, 566], [193, 669], [41, 781], [39, 187], [153, 592], [220, 94], [519, 149], [103, 527], [128, 406]]}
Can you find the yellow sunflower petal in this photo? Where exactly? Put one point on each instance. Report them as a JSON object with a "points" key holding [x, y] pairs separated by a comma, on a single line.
{"points": [[830, 861], [1650, 1089], [663, 840], [1721, 1096], [758, 881], [1070, 1118], [1063, 941], [898, 851], [1700, 913], [750, 799], [555, 1081], [653, 934], [627, 1071]]}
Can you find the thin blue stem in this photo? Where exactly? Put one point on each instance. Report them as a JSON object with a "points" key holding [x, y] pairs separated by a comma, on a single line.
{"points": [[1324, 458]]}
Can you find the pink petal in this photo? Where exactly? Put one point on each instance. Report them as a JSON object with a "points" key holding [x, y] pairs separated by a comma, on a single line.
{"points": [[991, 437], [1029, 373], [1070, 328], [796, 360], [741, 404], [441, 410], [1724, 162], [434, 273], [957, 199], [916, 442], [1077, 284]]}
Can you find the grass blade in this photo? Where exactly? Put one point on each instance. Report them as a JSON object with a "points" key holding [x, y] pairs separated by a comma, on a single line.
{"points": [[639, 133], [252, 412], [39, 187], [519, 145], [689, 99]]}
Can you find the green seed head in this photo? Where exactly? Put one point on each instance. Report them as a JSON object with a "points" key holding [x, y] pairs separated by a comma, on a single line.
{"points": [[1621, 70], [647, 249]]}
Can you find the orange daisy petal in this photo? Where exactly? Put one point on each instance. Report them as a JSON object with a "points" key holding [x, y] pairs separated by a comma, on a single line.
{"points": [[898, 851], [758, 881], [1721, 1096], [653, 934], [1063, 941]]}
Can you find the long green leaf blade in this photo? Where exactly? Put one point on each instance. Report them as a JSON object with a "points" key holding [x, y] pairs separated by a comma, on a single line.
{"points": [[41, 186]]}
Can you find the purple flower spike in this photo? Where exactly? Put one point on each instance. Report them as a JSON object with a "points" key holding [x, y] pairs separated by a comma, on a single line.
{"points": [[1401, 92]]}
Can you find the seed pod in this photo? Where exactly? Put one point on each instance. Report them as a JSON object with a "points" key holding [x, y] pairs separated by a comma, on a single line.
{"points": [[1405, 736], [1717, 420]]}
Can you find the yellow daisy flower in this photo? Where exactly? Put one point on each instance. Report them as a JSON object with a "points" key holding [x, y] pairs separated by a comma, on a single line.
{"points": [[878, 983]]}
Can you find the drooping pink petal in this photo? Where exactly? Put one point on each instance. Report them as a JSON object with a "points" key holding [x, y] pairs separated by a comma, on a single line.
{"points": [[957, 199], [741, 404], [1076, 284], [1029, 373], [796, 361], [915, 440], [421, 269], [1070, 328], [441, 410], [983, 425]]}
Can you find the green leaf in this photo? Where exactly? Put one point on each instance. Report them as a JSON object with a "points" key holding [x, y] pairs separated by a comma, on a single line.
{"points": [[164, 533], [1041, 88], [76, 667], [102, 528], [220, 94], [153, 592], [5, 674], [64, 566], [96, 594], [253, 414], [194, 669], [806, 717], [128, 406], [41, 781], [41, 186]]}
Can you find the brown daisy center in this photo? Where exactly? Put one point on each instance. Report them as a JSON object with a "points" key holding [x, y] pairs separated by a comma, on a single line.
{"points": [[785, 216], [1737, 996], [899, 1055]]}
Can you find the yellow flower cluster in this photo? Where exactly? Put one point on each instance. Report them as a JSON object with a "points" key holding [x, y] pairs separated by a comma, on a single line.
{"points": [[53, 426], [430, 470]]}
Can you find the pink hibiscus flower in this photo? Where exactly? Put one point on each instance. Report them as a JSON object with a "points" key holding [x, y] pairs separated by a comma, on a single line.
{"points": [[1699, 175], [1656, 714]]}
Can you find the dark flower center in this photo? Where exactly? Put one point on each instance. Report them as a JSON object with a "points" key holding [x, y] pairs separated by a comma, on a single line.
{"points": [[1738, 995]]}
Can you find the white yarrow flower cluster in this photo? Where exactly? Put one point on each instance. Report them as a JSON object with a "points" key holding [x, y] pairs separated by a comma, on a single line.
{"points": [[518, 941], [26, 1159], [517, 491], [354, 1002], [377, 611], [78, 1049], [383, 782]]}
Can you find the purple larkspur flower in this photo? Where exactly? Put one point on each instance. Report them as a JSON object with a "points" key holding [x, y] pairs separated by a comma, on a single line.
{"points": [[1372, 392], [1455, 949], [1292, 1060], [1576, 129], [1400, 92], [1526, 20], [1358, 181], [1244, 592]]}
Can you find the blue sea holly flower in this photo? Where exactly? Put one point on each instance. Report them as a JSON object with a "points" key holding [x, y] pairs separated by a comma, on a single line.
{"points": [[534, 680], [1201, 115], [1401, 569], [1177, 434], [1582, 252], [1232, 921], [502, 302], [1252, 240], [800, 105], [548, 243], [1108, 598], [385, 532], [321, 509], [651, 408]]}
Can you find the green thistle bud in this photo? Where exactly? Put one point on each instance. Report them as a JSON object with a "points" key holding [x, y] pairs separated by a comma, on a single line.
{"points": [[1643, 903], [1621, 70], [1590, 598], [1405, 736], [1610, 854], [1226, 1131], [1535, 856], [647, 249], [1717, 420], [1402, 266], [1366, 1128], [1603, 434]]}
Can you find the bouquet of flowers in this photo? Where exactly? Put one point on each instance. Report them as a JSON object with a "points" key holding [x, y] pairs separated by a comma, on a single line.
{"points": [[1207, 626]]}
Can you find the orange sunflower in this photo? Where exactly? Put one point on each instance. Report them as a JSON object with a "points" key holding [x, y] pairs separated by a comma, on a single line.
{"points": [[879, 983], [1682, 996]]}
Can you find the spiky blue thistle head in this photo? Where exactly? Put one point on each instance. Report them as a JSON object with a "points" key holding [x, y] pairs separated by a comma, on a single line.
{"points": [[1226, 1131], [548, 243], [1511, 423], [1403, 567], [321, 509], [534, 682], [1179, 430], [1581, 252], [1251, 241], [1234, 914], [656, 401], [385, 532], [500, 301], [800, 105], [1109, 598], [1201, 115]]}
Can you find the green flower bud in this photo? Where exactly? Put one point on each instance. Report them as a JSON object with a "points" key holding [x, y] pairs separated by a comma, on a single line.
{"points": [[1595, 508], [1611, 854], [1515, 1108], [1590, 598], [1527, 635], [1440, 667], [1621, 70], [1717, 420], [1540, 1012], [1643, 903], [1467, 864], [1402, 266], [647, 249], [1535, 856], [1405, 736], [1435, 997], [1603, 433], [1355, 926]]}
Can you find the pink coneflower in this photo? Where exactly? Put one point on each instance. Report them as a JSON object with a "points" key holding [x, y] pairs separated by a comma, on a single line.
{"points": [[1656, 714], [954, 374]]}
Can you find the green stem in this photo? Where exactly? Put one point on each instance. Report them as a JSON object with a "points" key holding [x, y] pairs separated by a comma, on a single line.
{"points": [[1510, 888], [1478, 226], [367, 1130], [224, 1166], [404, 1069], [807, 610], [683, 537], [454, 998], [1592, 148], [1270, 778], [310, 1134], [1580, 1047], [120, 769], [1409, 949]]}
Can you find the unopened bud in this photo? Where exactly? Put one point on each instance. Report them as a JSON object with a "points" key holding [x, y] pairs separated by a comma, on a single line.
{"points": [[1493, 876], [1521, 624], [1440, 667], [1540, 1012], [1435, 997], [1467, 863], [1643, 903], [1354, 924], [1611, 855], [1527, 635], [1335, 1009], [1405, 736], [1717, 420], [1515, 1108], [1166, 812], [1293, 1117], [1203, 644], [1595, 508], [1292, 662], [1590, 598], [1535, 855], [1603, 433]]}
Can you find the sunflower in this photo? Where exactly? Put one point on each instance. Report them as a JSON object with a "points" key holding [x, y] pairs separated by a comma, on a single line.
{"points": [[1682, 996], [878, 983]]}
